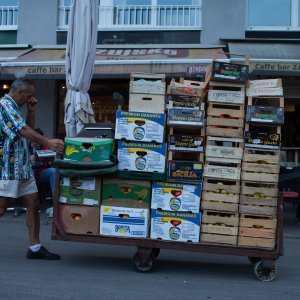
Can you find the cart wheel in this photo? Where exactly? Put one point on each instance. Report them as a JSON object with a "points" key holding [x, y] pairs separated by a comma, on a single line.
{"points": [[144, 266], [264, 274], [253, 260], [155, 251]]}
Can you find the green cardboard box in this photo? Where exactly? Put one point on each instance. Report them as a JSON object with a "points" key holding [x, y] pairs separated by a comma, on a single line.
{"points": [[126, 193], [88, 149], [81, 191]]}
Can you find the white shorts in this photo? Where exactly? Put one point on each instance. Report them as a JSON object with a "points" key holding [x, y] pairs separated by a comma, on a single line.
{"points": [[18, 188]]}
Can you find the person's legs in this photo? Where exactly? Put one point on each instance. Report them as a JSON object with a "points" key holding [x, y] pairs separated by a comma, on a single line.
{"points": [[48, 175], [32, 203], [3, 205], [28, 192], [8, 189]]}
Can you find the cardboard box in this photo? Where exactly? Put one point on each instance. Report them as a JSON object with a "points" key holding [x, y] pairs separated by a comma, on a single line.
{"points": [[121, 221], [79, 219], [185, 117], [98, 130], [190, 143], [185, 171], [126, 193], [142, 157], [81, 191], [183, 101], [175, 226], [229, 71], [265, 114], [263, 140], [176, 196], [147, 102], [88, 149], [140, 126]]}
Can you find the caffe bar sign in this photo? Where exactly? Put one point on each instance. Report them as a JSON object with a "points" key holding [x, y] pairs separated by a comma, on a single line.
{"points": [[275, 67]]}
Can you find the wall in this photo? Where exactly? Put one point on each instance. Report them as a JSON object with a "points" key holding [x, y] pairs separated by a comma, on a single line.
{"points": [[45, 115], [222, 19], [37, 22]]}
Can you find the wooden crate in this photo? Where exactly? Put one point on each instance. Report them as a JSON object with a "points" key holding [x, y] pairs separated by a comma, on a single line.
{"points": [[224, 147], [218, 238], [217, 185], [222, 92], [144, 83], [189, 156], [265, 201], [261, 165], [257, 231], [217, 217], [259, 190], [272, 101], [264, 156], [219, 206], [225, 120], [219, 229], [185, 87], [223, 168], [264, 87], [258, 209]]}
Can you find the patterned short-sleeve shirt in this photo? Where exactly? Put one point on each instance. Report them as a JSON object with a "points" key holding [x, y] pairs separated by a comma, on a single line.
{"points": [[14, 149]]}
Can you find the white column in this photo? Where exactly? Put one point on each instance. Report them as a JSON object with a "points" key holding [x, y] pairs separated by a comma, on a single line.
{"points": [[154, 13], [106, 13]]}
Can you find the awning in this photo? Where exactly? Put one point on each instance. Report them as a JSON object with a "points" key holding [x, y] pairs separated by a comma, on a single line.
{"points": [[278, 59], [112, 63], [10, 54]]}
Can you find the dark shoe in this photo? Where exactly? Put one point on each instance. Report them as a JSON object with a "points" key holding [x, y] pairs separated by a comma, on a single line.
{"points": [[43, 253], [17, 211]]}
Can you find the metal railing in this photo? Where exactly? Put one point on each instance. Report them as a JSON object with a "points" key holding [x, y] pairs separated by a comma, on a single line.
{"points": [[142, 16], [8, 17]]}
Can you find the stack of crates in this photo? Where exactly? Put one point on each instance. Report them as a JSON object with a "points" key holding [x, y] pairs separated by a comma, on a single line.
{"points": [[141, 130], [224, 152], [79, 197], [261, 163], [177, 200], [125, 209]]}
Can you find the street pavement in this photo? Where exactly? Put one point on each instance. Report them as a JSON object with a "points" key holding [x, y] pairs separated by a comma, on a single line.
{"points": [[93, 271]]}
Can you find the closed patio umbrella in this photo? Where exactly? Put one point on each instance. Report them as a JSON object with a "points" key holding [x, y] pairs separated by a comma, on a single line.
{"points": [[80, 56]]}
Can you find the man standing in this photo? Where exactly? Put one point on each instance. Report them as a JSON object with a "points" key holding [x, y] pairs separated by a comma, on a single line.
{"points": [[16, 175]]}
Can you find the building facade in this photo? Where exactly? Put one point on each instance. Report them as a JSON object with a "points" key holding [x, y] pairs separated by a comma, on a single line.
{"points": [[161, 36]]}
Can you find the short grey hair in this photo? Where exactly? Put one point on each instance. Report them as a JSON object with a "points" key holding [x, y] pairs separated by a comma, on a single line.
{"points": [[22, 84]]}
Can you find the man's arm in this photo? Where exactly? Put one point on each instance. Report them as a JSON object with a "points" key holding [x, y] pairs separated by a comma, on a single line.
{"points": [[54, 144], [30, 119], [31, 107]]}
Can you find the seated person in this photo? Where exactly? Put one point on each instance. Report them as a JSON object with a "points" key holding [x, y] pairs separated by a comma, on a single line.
{"points": [[43, 170]]}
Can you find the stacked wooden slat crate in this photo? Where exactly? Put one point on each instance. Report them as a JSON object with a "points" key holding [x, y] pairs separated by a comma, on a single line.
{"points": [[224, 152], [261, 163], [175, 205]]}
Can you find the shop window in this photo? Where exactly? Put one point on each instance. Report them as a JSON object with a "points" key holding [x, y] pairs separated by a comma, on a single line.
{"points": [[273, 15]]}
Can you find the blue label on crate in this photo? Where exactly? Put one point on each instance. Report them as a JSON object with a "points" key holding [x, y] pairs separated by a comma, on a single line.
{"points": [[185, 171]]}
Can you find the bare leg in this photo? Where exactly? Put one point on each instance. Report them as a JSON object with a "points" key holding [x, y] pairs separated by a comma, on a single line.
{"points": [[32, 203], [3, 205]]}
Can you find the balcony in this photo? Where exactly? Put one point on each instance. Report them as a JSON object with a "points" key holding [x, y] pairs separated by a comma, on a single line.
{"points": [[9, 17], [141, 17]]}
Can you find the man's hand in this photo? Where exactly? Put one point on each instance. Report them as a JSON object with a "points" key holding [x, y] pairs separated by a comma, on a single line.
{"points": [[56, 145], [32, 104]]}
